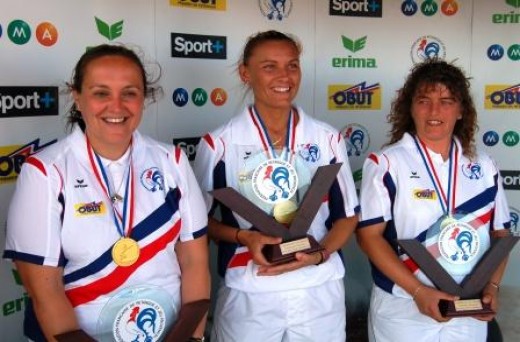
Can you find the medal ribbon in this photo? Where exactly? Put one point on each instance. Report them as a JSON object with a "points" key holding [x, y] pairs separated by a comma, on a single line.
{"points": [[290, 136], [444, 198], [101, 176]]}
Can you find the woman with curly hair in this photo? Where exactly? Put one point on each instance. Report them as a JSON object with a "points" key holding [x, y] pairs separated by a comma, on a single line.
{"points": [[431, 184]]}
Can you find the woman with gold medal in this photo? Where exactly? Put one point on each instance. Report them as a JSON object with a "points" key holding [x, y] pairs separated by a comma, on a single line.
{"points": [[106, 227], [429, 183], [269, 153]]}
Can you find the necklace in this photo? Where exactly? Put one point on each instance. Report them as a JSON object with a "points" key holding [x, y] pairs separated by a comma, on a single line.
{"points": [[277, 141], [116, 176]]}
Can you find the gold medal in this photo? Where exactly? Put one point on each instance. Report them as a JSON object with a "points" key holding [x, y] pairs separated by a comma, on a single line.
{"points": [[285, 211], [125, 252]]}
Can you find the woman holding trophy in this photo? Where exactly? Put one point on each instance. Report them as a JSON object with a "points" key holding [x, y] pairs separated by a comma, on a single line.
{"points": [[269, 153], [430, 184], [106, 227]]}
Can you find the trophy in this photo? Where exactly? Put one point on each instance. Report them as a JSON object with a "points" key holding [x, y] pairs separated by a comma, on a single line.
{"points": [[295, 237], [472, 284]]}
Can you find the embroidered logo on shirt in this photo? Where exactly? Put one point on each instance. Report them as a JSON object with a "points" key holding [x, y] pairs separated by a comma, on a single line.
{"points": [[413, 174], [80, 183], [310, 152], [89, 209], [152, 179], [424, 194], [472, 171]]}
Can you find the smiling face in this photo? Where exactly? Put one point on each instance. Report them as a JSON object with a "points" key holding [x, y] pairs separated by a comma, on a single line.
{"points": [[111, 102], [273, 73], [435, 112]]}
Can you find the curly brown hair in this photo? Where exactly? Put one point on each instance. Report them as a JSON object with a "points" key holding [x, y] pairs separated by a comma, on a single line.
{"points": [[428, 74]]}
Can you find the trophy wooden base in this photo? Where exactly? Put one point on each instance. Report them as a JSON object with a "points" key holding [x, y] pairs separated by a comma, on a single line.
{"points": [[74, 336], [285, 252], [464, 307]]}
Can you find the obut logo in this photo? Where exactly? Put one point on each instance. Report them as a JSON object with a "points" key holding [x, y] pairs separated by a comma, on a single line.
{"points": [[354, 97], [502, 96], [217, 5], [28, 101], [198, 46], [12, 158]]}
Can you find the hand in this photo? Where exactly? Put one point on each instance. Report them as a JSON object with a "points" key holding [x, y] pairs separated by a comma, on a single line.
{"points": [[302, 260], [255, 241], [489, 296], [427, 301]]}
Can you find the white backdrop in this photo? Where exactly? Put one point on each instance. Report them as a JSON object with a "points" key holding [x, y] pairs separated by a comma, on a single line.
{"points": [[375, 51]]}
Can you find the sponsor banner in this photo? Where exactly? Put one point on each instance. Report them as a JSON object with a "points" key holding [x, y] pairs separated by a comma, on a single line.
{"points": [[356, 8], [217, 5], [501, 96], [510, 179], [28, 101], [354, 97], [189, 145], [12, 158], [186, 45]]}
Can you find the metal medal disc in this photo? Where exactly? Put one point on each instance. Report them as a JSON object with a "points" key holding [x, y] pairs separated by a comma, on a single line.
{"points": [[137, 313], [125, 252], [459, 242], [275, 181]]}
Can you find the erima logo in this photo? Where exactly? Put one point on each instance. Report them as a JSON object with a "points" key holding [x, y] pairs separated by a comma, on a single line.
{"points": [[198, 46], [507, 18], [353, 45], [28, 101], [356, 8]]}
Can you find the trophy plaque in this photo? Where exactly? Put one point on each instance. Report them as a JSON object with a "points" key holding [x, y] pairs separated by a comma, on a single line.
{"points": [[470, 288], [295, 237]]}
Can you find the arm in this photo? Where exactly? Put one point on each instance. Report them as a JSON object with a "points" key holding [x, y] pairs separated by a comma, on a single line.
{"points": [[195, 278], [335, 239], [253, 240], [490, 292], [381, 254], [45, 287]]}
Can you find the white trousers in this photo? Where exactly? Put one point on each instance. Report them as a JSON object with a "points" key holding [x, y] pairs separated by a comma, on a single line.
{"points": [[393, 318], [311, 314]]}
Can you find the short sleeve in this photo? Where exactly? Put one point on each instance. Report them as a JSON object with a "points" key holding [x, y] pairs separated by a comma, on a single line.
{"points": [[377, 190], [34, 217]]}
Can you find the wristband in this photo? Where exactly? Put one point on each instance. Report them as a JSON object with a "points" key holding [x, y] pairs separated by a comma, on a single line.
{"points": [[325, 255], [416, 292], [495, 285]]}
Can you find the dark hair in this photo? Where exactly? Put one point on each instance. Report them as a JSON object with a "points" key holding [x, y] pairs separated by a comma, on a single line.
{"points": [[78, 76], [428, 74], [266, 36]]}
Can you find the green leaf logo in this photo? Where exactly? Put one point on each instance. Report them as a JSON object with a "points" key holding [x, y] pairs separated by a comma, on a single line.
{"points": [[514, 3], [111, 32], [354, 45], [357, 175], [16, 277]]}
